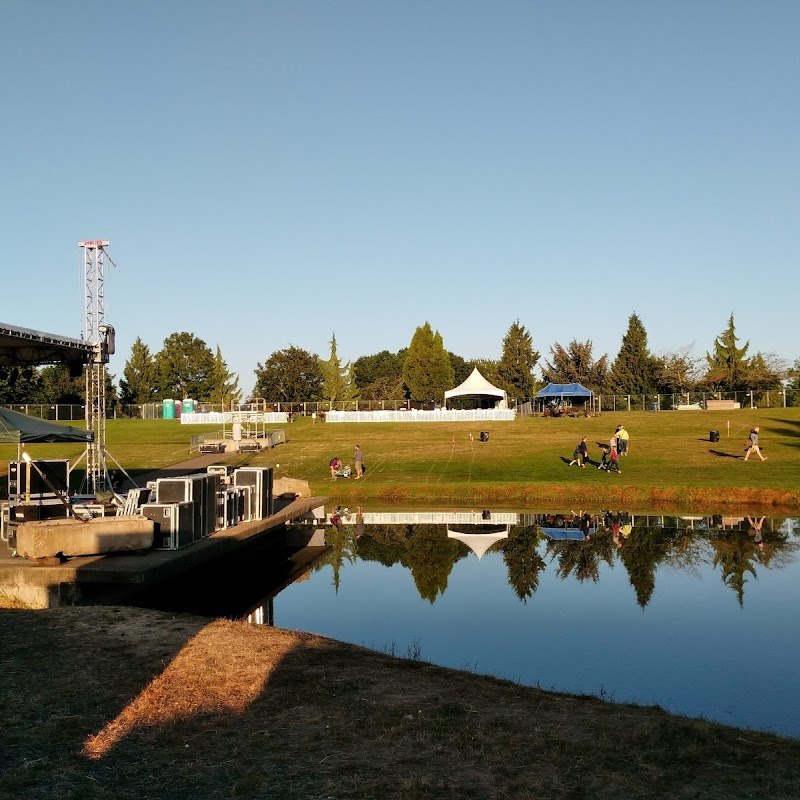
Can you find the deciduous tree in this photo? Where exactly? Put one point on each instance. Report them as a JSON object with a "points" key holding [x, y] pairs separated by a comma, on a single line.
{"points": [[19, 385], [292, 375], [184, 367], [575, 364]]}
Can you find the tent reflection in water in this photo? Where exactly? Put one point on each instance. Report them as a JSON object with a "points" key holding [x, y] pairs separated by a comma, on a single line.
{"points": [[477, 386], [479, 538]]}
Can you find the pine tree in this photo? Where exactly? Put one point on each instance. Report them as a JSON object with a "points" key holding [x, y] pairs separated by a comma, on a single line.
{"points": [[728, 365], [137, 384], [634, 370], [338, 380], [517, 362], [427, 371], [225, 389]]}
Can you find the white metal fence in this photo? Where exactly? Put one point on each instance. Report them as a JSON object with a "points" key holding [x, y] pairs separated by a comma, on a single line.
{"points": [[772, 398]]}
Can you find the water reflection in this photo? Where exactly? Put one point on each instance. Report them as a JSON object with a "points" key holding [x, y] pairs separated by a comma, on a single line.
{"points": [[574, 544]]}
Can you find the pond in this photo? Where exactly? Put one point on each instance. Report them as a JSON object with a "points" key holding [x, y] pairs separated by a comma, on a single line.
{"points": [[696, 614]]}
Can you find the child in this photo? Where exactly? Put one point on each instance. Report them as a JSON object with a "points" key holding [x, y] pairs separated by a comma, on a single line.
{"points": [[604, 461], [613, 464], [580, 454]]}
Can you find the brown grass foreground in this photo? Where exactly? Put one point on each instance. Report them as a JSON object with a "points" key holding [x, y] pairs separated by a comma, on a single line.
{"points": [[119, 702]]}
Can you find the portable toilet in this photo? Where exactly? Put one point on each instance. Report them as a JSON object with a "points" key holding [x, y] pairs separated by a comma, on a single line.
{"points": [[188, 406], [169, 409]]}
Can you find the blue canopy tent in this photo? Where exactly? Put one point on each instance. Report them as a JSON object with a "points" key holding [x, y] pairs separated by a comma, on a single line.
{"points": [[558, 395]]}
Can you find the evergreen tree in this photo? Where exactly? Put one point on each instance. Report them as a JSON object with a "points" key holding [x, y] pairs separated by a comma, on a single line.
{"points": [[138, 382], [427, 371], [184, 368], [517, 362], [225, 389], [728, 364], [337, 379], [576, 365], [634, 369], [522, 559]]}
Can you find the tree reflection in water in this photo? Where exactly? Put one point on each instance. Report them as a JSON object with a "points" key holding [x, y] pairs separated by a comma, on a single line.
{"points": [[736, 549]]}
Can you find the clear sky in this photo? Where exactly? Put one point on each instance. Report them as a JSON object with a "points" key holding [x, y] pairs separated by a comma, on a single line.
{"points": [[270, 173]]}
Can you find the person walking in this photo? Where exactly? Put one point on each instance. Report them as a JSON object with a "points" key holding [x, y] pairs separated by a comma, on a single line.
{"points": [[753, 446], [622, 440], [358, 460], [580, 455], [613, 463]]}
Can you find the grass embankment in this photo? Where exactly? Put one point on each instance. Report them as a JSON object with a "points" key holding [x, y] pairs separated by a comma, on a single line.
{"points": [[671, 462], [112, 703]]}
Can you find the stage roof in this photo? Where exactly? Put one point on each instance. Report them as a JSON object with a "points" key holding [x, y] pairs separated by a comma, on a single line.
{"points": [[21, 347]]}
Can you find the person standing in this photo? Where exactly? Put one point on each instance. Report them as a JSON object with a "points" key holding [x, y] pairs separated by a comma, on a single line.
{"points": [[622, 440], [358, 460], [753, 445], [580, 455]]}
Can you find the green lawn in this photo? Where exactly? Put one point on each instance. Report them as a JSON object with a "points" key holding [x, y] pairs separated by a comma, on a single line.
{"points": [[671, 458]]}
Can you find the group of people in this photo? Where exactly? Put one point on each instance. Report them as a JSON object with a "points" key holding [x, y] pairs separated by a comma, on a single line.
{"points": [[617, 446], [340, 470]]}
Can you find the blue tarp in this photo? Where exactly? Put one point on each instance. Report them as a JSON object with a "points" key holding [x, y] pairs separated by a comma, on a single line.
{"points": [[571, 534], [565, 390]]}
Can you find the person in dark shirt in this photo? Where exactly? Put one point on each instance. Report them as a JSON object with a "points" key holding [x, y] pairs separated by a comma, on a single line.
{"points": [[753, 447], [580, 455]]}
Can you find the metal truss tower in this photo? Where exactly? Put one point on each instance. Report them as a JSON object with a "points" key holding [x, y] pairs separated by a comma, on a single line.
{"points": [[101, 336]]}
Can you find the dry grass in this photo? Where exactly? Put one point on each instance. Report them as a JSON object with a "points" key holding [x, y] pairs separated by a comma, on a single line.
{"points": [[100, 703]]}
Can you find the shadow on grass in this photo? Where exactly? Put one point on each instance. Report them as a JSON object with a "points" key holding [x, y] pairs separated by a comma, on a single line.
{"points": [[721, 454]]}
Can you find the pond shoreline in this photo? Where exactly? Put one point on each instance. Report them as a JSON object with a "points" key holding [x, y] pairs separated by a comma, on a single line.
{"points": [[664, 498], [220, 708]]}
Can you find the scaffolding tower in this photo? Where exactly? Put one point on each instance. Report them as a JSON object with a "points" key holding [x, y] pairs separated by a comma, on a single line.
{"points": [[101, 337]]}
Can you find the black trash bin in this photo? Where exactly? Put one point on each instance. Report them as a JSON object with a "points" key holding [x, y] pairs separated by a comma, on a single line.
{"points": [[713, 436]]}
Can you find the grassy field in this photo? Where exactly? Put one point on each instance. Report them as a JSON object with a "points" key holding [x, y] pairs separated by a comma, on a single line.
{"points": [[671, 462], [99, 703]]}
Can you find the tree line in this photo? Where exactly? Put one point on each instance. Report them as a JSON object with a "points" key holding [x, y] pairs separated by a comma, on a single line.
{"points": [[186, 367]]}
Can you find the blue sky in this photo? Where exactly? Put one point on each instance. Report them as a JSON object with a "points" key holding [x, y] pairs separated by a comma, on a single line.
{"points": [[270, 173]]}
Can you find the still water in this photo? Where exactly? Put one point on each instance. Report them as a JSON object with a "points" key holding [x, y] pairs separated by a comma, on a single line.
{"points": [[696, 614]]}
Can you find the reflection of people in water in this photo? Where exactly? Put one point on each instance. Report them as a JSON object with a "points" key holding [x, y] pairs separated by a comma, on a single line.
{"points": [[359, 522], [584, 522], [755, 531]]}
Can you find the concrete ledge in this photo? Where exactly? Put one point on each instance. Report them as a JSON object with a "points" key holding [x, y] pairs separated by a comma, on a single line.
{"points": [[299, 487], [70, 537]]}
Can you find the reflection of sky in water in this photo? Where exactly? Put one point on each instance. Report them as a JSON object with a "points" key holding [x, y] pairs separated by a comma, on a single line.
{"points": [[693, 649]]}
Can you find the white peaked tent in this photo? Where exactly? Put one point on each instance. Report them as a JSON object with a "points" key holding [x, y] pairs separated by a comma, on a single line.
{"points": [[477, 386], [479, 543]]}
